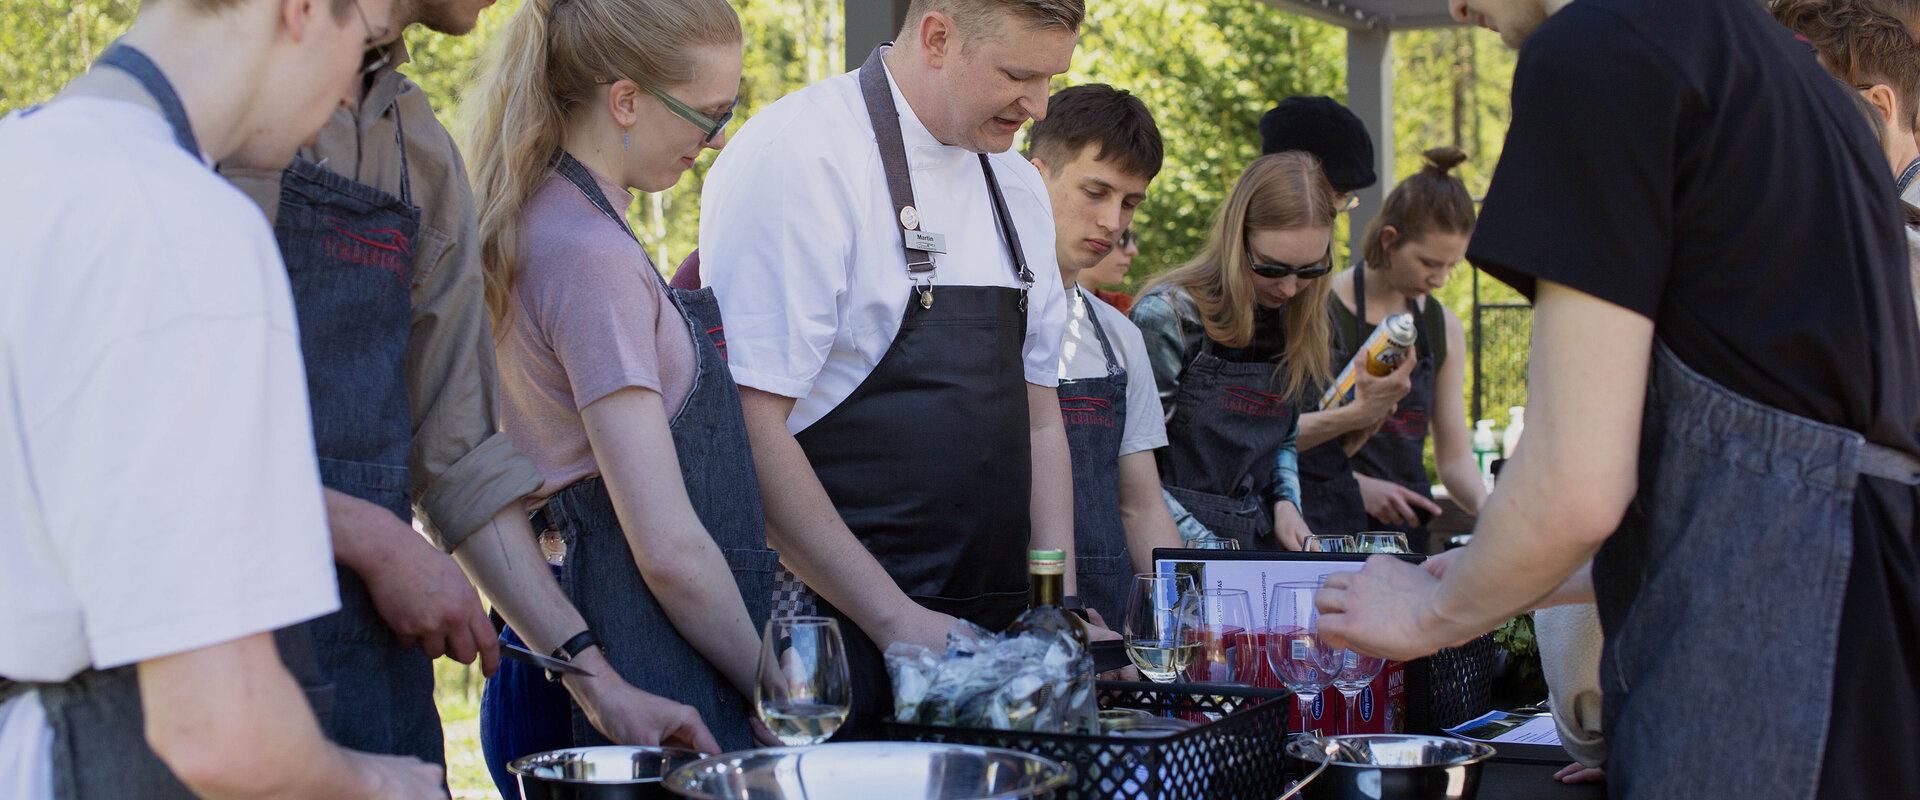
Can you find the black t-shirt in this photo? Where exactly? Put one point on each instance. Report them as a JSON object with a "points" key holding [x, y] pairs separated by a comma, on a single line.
{"points": [[1691, 162]]}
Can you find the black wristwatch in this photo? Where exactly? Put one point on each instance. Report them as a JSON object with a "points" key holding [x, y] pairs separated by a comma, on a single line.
{"points": [[1072, 605], [571, 648]]}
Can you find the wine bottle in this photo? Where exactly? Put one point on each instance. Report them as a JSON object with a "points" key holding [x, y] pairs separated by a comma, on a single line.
{"points": [[1046, 588]]}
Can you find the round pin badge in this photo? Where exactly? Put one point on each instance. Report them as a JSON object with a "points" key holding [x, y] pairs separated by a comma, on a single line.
{"points": [[909, 218]]}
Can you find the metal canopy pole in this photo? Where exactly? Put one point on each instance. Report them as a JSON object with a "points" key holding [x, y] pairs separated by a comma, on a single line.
{"points": [[870, 22], [1370, 95]]}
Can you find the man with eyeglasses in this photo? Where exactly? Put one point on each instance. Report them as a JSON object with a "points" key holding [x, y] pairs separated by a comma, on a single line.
{"points": [[376, 223]]}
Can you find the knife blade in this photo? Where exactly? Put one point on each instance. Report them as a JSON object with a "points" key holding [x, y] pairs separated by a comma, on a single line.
{"points": [[525, 656]]}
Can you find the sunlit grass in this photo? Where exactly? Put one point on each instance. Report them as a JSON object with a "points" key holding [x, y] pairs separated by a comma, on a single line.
{"points": [[457, 692]]}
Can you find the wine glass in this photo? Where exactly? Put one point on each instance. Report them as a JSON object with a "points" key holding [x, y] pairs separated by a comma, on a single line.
{"points": [[1162, 613], [802, 692], [1382, 542], [1299, 657], [1224, 623], [1329, 543], [1355, 673]]}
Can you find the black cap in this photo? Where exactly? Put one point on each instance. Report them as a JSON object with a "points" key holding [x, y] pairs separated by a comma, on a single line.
{"points": [[1329, 131]]}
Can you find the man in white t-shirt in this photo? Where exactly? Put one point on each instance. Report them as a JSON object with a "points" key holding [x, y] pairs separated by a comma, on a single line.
{"points": [[1098, 149], [156, 460], [884, 264]]}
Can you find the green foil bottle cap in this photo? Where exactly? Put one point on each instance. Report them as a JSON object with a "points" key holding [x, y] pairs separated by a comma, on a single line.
{"points": [[1047, 562]]}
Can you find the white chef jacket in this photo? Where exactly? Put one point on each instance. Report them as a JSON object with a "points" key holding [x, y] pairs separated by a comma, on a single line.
{"points": [[799, 240]]}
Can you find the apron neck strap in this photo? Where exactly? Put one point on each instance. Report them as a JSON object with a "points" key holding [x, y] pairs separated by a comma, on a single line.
{"points": [[884, 117], [1099, 331], [577, 174], [125, 58]]}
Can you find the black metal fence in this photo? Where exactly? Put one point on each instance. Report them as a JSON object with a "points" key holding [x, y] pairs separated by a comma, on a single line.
{"points": [[1500, 335]]}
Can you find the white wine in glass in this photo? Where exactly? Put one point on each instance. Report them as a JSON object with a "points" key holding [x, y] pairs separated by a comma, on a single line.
{"points": [[803, 693], [1160, 625]]}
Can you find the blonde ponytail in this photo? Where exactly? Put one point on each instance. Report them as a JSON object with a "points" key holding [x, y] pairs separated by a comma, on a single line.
{"points": [[552, 56]]}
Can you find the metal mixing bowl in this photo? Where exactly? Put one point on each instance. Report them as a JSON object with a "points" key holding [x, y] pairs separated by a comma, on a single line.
{"points": [[599, 773], [1390, 766], [869, 771]]}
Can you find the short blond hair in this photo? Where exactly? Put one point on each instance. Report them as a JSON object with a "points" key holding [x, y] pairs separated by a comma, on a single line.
{"points": [[969, 14]]}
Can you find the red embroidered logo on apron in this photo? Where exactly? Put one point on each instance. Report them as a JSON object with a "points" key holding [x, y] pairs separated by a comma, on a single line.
{"points": [[1087, 411], [379, 248], [1255, 403], [1412, 422]]}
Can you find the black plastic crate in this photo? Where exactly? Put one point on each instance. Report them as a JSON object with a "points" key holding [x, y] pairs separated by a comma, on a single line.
{"points": [[1235, 756]]}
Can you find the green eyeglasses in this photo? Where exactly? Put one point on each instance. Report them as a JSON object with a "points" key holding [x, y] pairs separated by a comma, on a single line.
{"points": [[707, 125]]}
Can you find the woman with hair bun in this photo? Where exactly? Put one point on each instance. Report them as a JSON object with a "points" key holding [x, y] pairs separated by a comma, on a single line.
{"points": [[1409, 250]]}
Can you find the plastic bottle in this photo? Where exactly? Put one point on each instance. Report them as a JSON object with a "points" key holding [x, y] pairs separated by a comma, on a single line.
{"points": [[1516, 422], [1486, 448]]}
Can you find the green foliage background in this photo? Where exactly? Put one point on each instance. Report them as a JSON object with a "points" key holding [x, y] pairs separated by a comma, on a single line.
{"points": [[1208, 69]]}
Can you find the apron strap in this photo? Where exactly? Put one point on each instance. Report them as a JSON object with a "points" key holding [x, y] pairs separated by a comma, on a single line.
{"points": [[1007, 231], [400, 139], [893, 155], [136, 64], [577, 174], [1099, 332], [1880, 461], [885, 119], [1907, 176]]}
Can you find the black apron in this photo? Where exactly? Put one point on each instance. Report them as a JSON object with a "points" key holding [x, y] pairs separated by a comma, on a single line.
{"points": [[1229, 422], [1330, 500], [929, 461], [1095, 413], [1398, 452]]}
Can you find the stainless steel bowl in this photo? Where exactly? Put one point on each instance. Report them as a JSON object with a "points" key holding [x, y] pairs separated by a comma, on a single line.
{"points": [[871, 770], [599, 773], [1390, 766]]}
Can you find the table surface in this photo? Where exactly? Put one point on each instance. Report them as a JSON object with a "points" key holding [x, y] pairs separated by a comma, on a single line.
{"points": [[1507, 780]]}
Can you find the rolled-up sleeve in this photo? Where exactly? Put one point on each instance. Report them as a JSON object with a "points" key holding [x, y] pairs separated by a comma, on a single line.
{"points": [[1159, 324], [464, 469]]}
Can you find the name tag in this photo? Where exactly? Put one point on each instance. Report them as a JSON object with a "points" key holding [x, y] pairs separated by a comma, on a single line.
{"points": [[922, 240]]}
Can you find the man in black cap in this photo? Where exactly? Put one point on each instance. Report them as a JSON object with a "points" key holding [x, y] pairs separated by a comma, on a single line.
{"points": [[1329, 131]]}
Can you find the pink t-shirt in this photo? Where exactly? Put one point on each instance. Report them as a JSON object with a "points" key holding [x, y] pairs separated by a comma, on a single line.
{"points": [[588, 317]]}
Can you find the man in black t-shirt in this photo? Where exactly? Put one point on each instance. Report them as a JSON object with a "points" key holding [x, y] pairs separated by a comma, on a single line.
{"points": [[1725, 398]]}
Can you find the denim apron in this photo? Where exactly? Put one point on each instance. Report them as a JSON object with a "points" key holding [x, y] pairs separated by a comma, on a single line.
{"points": [[929, 460], [1095, 413], [1398, 452], [1721, 593], [599, 574], [348, 248], [99, 745], [1229, 422]]}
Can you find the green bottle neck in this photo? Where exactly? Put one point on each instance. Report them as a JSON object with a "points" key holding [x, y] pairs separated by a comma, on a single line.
{"points": [[1045, 590]]}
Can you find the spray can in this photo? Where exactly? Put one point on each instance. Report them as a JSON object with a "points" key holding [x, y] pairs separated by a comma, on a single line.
{"points": [[1385, 349]]}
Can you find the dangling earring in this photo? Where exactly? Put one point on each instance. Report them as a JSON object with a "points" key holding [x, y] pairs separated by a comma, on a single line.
{"points": [[625, 144]]}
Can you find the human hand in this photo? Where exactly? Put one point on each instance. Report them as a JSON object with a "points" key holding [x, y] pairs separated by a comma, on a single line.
{"points": [[422, 595], [396, 777], [629, 716], [918, 625], [1380, 394], [1288, 527], [1577, 772], [1387, 608], [1392, 503]]}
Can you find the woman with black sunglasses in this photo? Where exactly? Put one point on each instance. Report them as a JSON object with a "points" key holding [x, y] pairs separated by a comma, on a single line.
{"points": [[1236, 336]]}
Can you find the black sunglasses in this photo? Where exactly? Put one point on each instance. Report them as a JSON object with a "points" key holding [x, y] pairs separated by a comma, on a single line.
{"points": [[1266, 269]]}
